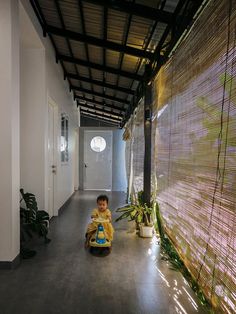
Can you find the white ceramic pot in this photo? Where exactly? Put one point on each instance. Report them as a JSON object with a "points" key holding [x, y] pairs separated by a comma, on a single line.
{"points": [[146, 231]]}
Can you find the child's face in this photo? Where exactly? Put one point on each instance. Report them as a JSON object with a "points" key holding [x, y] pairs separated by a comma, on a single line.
{"points": [[102, 205]]}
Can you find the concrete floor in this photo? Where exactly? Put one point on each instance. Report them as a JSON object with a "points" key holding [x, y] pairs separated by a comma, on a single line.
{"points": [[64, 278]]}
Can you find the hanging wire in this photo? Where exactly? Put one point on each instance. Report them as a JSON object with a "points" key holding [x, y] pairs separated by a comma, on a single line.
{"points": [[170, 128], [226, 143], [220, 136], [225, 153]]}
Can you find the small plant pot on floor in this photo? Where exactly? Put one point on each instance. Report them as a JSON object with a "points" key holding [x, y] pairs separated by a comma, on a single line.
{"points": [[146, 231]]}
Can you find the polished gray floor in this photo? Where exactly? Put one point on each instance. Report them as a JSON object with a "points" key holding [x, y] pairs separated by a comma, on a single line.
{"points": [[64, 278]]}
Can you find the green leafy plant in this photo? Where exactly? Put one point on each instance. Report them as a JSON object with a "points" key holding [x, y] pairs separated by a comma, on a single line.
{"points": [[171, 255], [32, 221], [139, 212]]}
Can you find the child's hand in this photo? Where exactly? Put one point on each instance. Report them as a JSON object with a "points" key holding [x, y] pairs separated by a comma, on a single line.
{"points": [[108, 217]]}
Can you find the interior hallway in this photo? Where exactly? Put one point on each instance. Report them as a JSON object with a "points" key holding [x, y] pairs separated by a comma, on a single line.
{"points": [[64, 278]]}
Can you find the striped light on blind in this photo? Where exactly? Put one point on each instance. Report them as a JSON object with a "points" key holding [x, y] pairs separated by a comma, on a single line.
{"points": [[195, 151]]}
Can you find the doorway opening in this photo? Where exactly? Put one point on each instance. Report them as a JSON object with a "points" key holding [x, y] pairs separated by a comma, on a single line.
{"points": [[98, 160], [52, 157]]}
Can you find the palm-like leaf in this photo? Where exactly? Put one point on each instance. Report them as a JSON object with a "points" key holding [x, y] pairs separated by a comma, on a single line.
{"points": [[138, 212], [123, 209], [124, 215]]}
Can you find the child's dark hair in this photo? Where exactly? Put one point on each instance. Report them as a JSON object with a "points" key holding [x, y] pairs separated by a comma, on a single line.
{"points": [[102, 198]]}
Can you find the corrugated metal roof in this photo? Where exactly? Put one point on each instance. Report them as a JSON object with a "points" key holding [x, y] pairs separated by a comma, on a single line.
{"points": [[71, 15], [116, 26], [95, 36], [93, 15]]}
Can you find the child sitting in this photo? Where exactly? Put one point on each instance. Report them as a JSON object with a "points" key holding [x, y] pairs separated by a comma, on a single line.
{"points": [[100, 212]]}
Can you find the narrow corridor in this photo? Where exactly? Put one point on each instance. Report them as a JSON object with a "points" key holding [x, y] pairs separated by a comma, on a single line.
{"points": [[64, 278]]}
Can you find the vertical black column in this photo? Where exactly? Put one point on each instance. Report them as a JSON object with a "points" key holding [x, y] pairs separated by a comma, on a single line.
{"points": [[147, 138]]}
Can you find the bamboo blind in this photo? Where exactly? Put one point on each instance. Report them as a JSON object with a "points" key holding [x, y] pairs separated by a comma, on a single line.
{"points": [[135, 153], [138, 151], [128, 138], [195, 151]]}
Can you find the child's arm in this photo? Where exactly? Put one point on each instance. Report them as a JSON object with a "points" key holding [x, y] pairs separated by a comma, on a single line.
{"points": [[108, 215], [94, 214]]}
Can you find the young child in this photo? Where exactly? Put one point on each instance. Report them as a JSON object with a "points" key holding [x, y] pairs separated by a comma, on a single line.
{"points": [[100, 212]]}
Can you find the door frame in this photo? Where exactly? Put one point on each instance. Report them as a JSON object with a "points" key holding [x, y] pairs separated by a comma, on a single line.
{"points": [[54, 106], [76, 160], [83, 173]]}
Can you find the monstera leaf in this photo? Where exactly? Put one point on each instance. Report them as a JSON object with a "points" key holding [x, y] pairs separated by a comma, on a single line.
{"points": [[32, 221]]}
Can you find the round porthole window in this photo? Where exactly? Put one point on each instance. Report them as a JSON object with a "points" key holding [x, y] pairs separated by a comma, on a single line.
{"points": [[98, 144]]}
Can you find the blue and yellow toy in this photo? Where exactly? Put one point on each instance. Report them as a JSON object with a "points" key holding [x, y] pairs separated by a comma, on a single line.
{"points": [[98, 242]]}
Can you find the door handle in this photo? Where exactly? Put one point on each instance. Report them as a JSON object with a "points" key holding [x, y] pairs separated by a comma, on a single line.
{"points": [[85, 166], [54, 171], [54, 167]]}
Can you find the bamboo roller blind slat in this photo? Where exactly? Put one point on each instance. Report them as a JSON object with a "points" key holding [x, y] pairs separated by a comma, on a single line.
{"points": [[135, 153], [195, 152], [194, 156], [138, 151]]}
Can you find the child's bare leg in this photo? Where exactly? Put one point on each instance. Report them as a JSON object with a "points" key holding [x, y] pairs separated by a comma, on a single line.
{"points": [[88, 237], [86, 244]]}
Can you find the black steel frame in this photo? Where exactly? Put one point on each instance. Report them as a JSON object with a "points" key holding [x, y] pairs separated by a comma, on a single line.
{"points": [[176, 23]]}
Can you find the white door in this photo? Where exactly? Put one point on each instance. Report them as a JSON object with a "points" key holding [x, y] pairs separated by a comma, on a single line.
{"points": [[98, 160], [52, 156]]}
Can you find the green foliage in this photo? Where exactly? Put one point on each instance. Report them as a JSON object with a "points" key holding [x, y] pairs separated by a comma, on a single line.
{"points": [[141, 198], [159, 223], [137, 213], [32, 221], [172, 256], [140, 212]]}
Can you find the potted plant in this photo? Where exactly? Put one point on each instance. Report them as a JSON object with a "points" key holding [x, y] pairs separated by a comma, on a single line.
{"points": [[32, 221], [141, 214], [146, 226]]}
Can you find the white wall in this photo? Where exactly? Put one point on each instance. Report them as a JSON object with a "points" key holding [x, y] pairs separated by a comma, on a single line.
{"points": [[58, 90], [119, 179], [9, 130], [32, 113], [42, 79]]}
